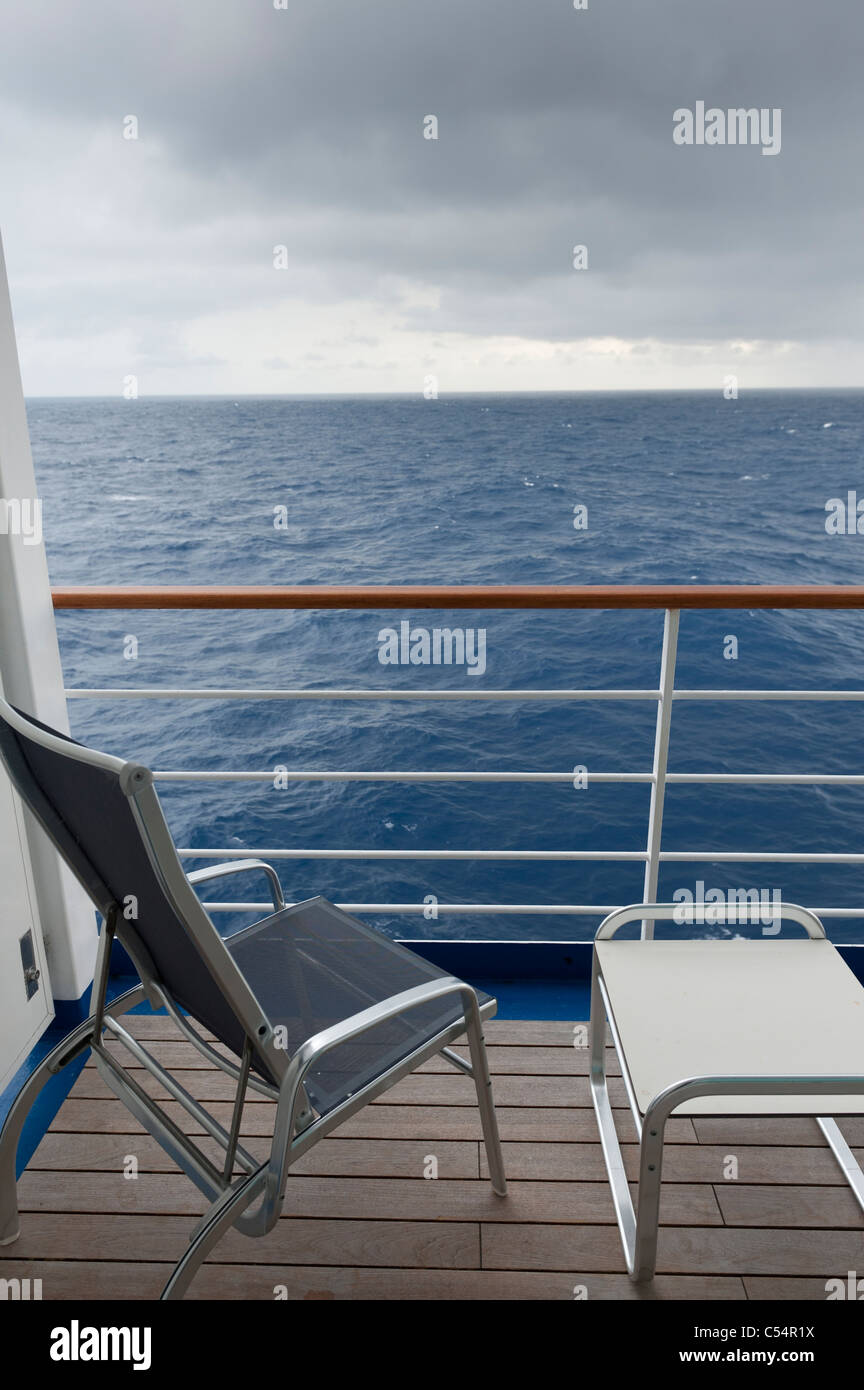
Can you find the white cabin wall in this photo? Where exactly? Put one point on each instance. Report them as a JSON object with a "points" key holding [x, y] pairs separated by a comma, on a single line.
{"points": [[32, 676]]}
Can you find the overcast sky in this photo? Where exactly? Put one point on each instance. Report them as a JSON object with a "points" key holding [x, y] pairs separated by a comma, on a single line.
{"points": [[409, 257]]}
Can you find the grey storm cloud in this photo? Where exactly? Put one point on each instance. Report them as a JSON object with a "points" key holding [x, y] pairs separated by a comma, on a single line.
{"points": [[303, 127]]}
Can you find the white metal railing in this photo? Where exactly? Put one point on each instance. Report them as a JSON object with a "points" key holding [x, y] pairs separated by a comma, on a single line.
{"points": [[665, 696]]}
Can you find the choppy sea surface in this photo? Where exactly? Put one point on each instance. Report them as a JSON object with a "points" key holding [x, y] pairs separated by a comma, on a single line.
{"points": [[687, 488]]}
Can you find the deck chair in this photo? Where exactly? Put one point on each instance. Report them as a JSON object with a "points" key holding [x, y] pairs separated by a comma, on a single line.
{"points": [[730, 1027], [316, 1010]]}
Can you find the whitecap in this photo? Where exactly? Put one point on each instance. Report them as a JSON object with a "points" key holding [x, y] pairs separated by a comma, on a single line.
{"points": [[828, 425]]}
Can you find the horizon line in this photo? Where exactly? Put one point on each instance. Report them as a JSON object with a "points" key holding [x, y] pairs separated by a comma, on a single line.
{"points": [[445, 395]]}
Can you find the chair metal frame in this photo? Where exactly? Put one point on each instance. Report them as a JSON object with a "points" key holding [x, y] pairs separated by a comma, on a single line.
{"points": [[639, 1226], [297, 1126]]}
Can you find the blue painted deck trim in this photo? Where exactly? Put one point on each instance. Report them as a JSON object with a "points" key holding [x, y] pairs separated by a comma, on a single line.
{"points": [[530, 979], [509, 960]]}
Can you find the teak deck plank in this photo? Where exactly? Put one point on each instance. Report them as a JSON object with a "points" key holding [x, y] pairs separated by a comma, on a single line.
{"points": [[834, 1207], [507, 1032], [106, 1280], [352, 1198], [680, 1251], [126, 1238], [361, 1220], [547, 1060], [751, 1129], [377, 1121], [421, 1088], [553, 1162], [398, 1158]]}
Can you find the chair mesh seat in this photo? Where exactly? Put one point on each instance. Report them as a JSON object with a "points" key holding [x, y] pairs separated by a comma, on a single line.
{"points": [[312, 965]]}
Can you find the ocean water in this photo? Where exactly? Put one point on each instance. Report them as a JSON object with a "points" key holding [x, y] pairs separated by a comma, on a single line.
{"points": [[472, 489]]}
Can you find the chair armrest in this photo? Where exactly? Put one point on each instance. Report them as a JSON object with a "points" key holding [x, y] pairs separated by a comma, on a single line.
{"points": [[699, 914], [378, 1013], [242, 866], [291, 1089], [689, 1088]]}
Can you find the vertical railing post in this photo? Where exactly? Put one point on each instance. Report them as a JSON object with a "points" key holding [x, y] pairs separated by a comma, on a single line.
{"points": [[661, 758]]}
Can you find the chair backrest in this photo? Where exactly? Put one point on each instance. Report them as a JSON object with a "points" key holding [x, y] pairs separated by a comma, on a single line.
{"points": [[104, 817]]}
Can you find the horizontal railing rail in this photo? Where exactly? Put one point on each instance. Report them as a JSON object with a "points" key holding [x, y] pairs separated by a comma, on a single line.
{"points": [[126, 692], [670, 598], [375, 596]]}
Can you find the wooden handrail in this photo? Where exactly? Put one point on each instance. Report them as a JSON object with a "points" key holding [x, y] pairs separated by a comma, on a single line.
{"points": [[476, 596]]}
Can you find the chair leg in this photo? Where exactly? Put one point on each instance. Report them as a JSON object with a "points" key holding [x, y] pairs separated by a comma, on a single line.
{"points": [[639, 1228], [10, 1227], [221, 1216], [648, 1201], [612, 1156], [614, 1160], [849, 1166], [486, 1105]]}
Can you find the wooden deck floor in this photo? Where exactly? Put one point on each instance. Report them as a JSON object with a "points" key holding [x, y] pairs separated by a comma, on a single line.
{"points": [[361, 1221]]}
